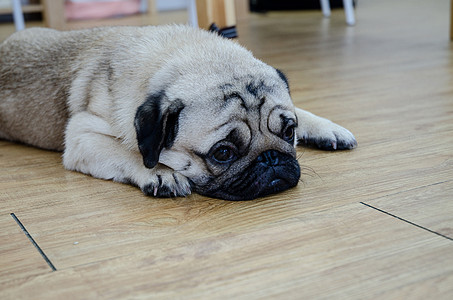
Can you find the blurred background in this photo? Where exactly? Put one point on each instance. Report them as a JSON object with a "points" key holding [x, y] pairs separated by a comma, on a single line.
{"points": [[73, 14]]}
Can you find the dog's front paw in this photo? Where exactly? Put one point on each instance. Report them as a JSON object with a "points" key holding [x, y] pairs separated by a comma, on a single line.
{"points": [[165, 182], [327, 136]]}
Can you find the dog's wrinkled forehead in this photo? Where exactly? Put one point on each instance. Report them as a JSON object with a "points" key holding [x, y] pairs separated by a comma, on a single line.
{"points": [[250, 105], [254, 91], [250, 92]]}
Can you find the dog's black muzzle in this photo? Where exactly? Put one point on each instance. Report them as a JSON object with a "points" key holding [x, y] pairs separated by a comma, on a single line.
{"points": [[271, 172]]}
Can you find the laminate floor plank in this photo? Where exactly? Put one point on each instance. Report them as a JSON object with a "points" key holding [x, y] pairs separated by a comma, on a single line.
{"points": [[19, 259], [363, 253], [430, 207], [372, 223]]}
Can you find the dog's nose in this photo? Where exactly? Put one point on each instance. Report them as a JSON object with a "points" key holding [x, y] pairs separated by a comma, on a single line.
{"points": [[269, 158]]}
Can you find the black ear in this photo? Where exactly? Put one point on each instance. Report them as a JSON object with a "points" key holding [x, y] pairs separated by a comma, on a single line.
{"points": [[283, 77], [156, 129]]}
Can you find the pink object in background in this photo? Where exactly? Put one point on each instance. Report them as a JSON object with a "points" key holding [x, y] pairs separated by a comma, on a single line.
{"points": [[83, 9]]}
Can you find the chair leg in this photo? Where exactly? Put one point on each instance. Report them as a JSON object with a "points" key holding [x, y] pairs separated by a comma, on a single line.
{"points": [[192, 10], [451, 20], [349, 12], [325, 6], [221, 12], [18, 16]]}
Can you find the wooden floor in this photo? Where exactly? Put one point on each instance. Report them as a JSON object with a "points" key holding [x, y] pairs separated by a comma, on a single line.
{"points": [[372, 223]]}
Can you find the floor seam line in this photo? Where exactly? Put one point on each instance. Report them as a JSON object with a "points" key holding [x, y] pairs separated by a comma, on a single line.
{"points": [[25, 231], [407, 221]]}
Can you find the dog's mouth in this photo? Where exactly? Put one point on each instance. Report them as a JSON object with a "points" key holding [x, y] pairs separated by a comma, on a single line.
{"points": [[272, 172]]}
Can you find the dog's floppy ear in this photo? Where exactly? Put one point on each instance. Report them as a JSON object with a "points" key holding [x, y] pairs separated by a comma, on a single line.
{"points": [[156, 128], [283, 77]]}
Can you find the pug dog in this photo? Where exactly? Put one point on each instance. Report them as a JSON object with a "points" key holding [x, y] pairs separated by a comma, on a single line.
{"points": [[170, 109]]}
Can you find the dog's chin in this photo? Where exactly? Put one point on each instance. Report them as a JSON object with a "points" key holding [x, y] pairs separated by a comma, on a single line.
{"points": [[258, 180]]}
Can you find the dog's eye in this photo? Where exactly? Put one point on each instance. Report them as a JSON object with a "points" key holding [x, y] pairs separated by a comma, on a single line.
{"points": [[288, 134], [224, 155]]}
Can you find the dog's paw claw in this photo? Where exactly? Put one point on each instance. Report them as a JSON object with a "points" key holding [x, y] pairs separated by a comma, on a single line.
{"points": [[336, 138], [346, 143], [166, 185], [163, 191]]}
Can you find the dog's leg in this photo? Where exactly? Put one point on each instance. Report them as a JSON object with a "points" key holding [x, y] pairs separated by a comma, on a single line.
{"points": [[322, 133], [91, 148]]}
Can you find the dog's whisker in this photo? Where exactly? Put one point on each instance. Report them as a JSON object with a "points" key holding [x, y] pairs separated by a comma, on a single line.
{"points": [[308, 174], [309, 171], [300, 155]]}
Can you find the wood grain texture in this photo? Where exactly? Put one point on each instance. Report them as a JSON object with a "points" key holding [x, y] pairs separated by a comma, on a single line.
{"points": [[372, 223], [221, 12], [19, 260], [54, 14]]}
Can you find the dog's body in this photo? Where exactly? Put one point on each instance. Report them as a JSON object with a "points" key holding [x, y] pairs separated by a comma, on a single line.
{"points": [[169, 109]]}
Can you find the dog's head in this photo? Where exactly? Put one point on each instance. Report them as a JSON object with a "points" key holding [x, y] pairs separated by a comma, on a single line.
{"points": [[230, 131]]}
